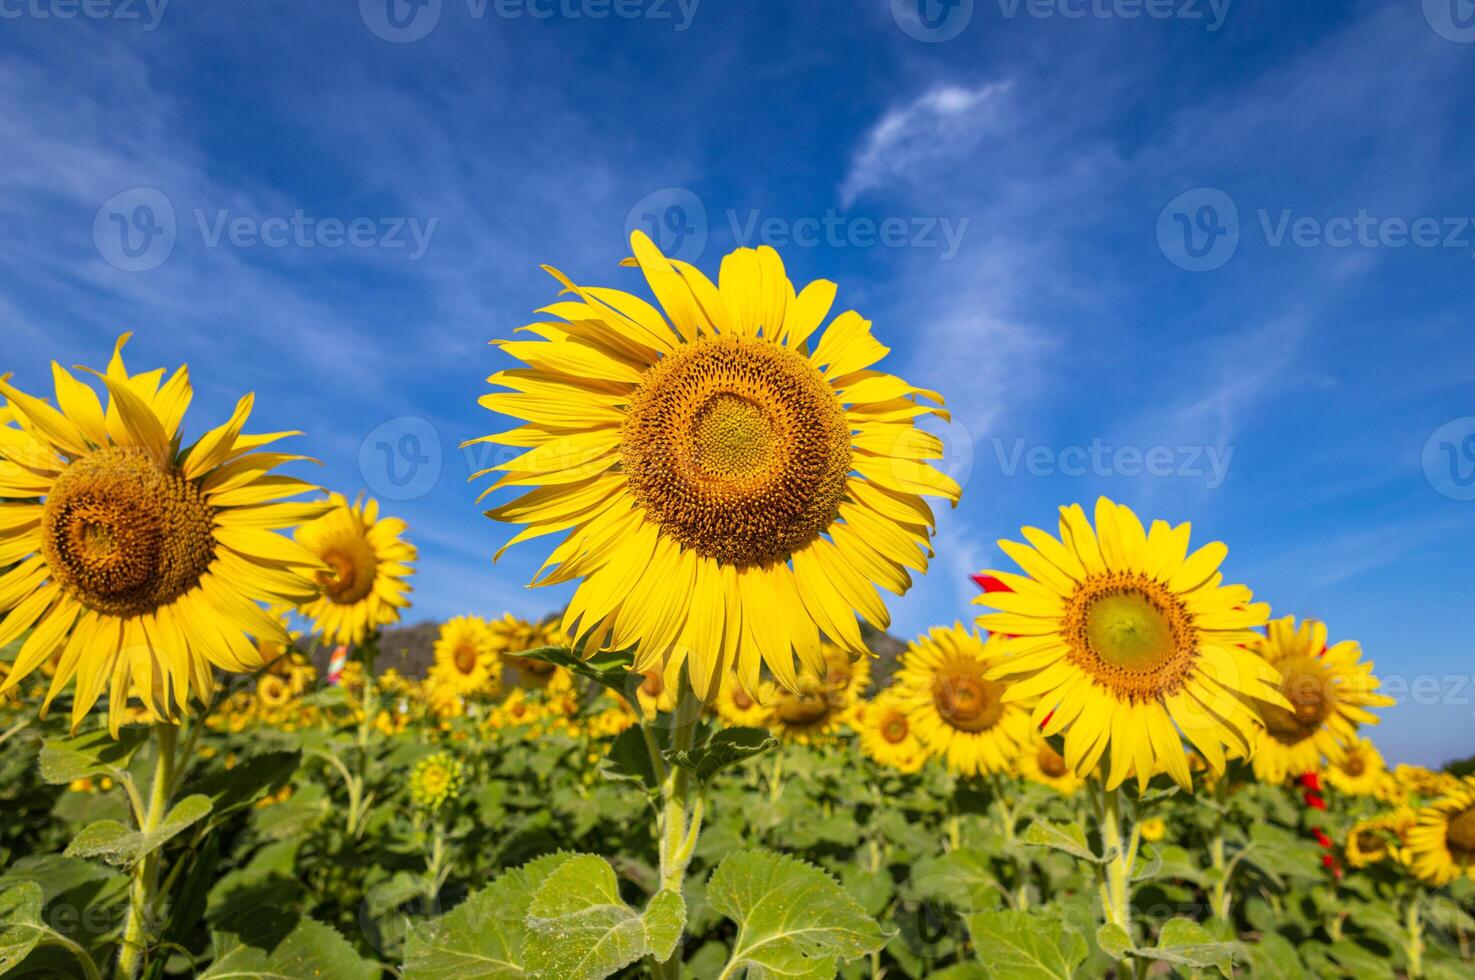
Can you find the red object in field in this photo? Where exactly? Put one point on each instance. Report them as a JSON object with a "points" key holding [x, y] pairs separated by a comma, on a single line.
{"points": [[1315, 802], [1311, 781], [336, 663], [990, 584], [1321, 837], [1327, 861]]}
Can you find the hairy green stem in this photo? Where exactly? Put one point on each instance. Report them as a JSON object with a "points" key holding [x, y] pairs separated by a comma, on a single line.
{"points": [[143, 888], [1414, 944]]}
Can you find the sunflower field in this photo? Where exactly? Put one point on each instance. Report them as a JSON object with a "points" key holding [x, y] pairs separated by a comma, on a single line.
{"points": [[714, 763]]}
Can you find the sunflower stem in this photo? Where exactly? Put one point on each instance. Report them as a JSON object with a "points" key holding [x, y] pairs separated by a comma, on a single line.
{"points": [[1116, 883], [680, 821], [142, 890], [1414, 945]]}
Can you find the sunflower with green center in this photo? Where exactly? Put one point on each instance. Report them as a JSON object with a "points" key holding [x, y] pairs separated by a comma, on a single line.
{"points": [[1440, 847], [466, 662], [887, 735], [1360, 771], [1041, 763], [1325, 693], [436, 780], [958, 713], [142, 564], [368, 565], [739, 708], [1379, 838], [1128, 642], [731, 477]]}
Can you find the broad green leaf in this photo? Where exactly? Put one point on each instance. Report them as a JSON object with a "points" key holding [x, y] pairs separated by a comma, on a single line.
{"points": [[1184, 942], [1274, 956], [579, 928], [726, 747], [628, 759], [1114, 941], [1357, 962], [610, 670], [1026, 945], [20, 924], [793, 919], [23, 930], [122, 846], [276, 945], [90, 754], [1062, 837], [482, 938], [665, 918]]}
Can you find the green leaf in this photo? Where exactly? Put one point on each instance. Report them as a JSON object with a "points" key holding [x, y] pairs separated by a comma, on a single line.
{"points": [[482, 938], [612, 670], [1114, 941], [275, 945], [726, 747], [1184, 942], [122, 846], [1274, 956], [255, 776], [1026, 945], [579, 927], [23, 930], [793, 919], [628, 759], [1069, 838], [90, 754], [665, 918], [20, 924]]}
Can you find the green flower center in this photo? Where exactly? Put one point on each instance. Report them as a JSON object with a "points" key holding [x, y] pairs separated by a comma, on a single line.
{"points": [[1129, 631]]}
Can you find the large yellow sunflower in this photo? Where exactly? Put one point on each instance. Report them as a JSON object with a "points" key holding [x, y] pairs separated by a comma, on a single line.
{"points": [[466, 661], [1126, 639], [731, 479], [143, 565], [1325, 695], [887, 735], [1441, 846], [1360, 770], [959, 713], [368, 561]]}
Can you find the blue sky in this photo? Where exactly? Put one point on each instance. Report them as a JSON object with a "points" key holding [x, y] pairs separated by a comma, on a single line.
{"points": [[1175, 257]]}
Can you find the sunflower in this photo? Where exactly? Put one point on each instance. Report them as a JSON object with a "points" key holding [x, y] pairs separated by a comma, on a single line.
{"points": [[511, 636], [435, 781], [741, 709], [887, 735], [1153, 829], [656, 690], [727, 491], [1360, 771], [1126, 639], [273, 691], [466, 662], [1326, 692], [1042, 764], [1380, 838], [141, 564], [1417, 781], [958, 713], [820, 703], [1441, 846], [368, 563]]}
